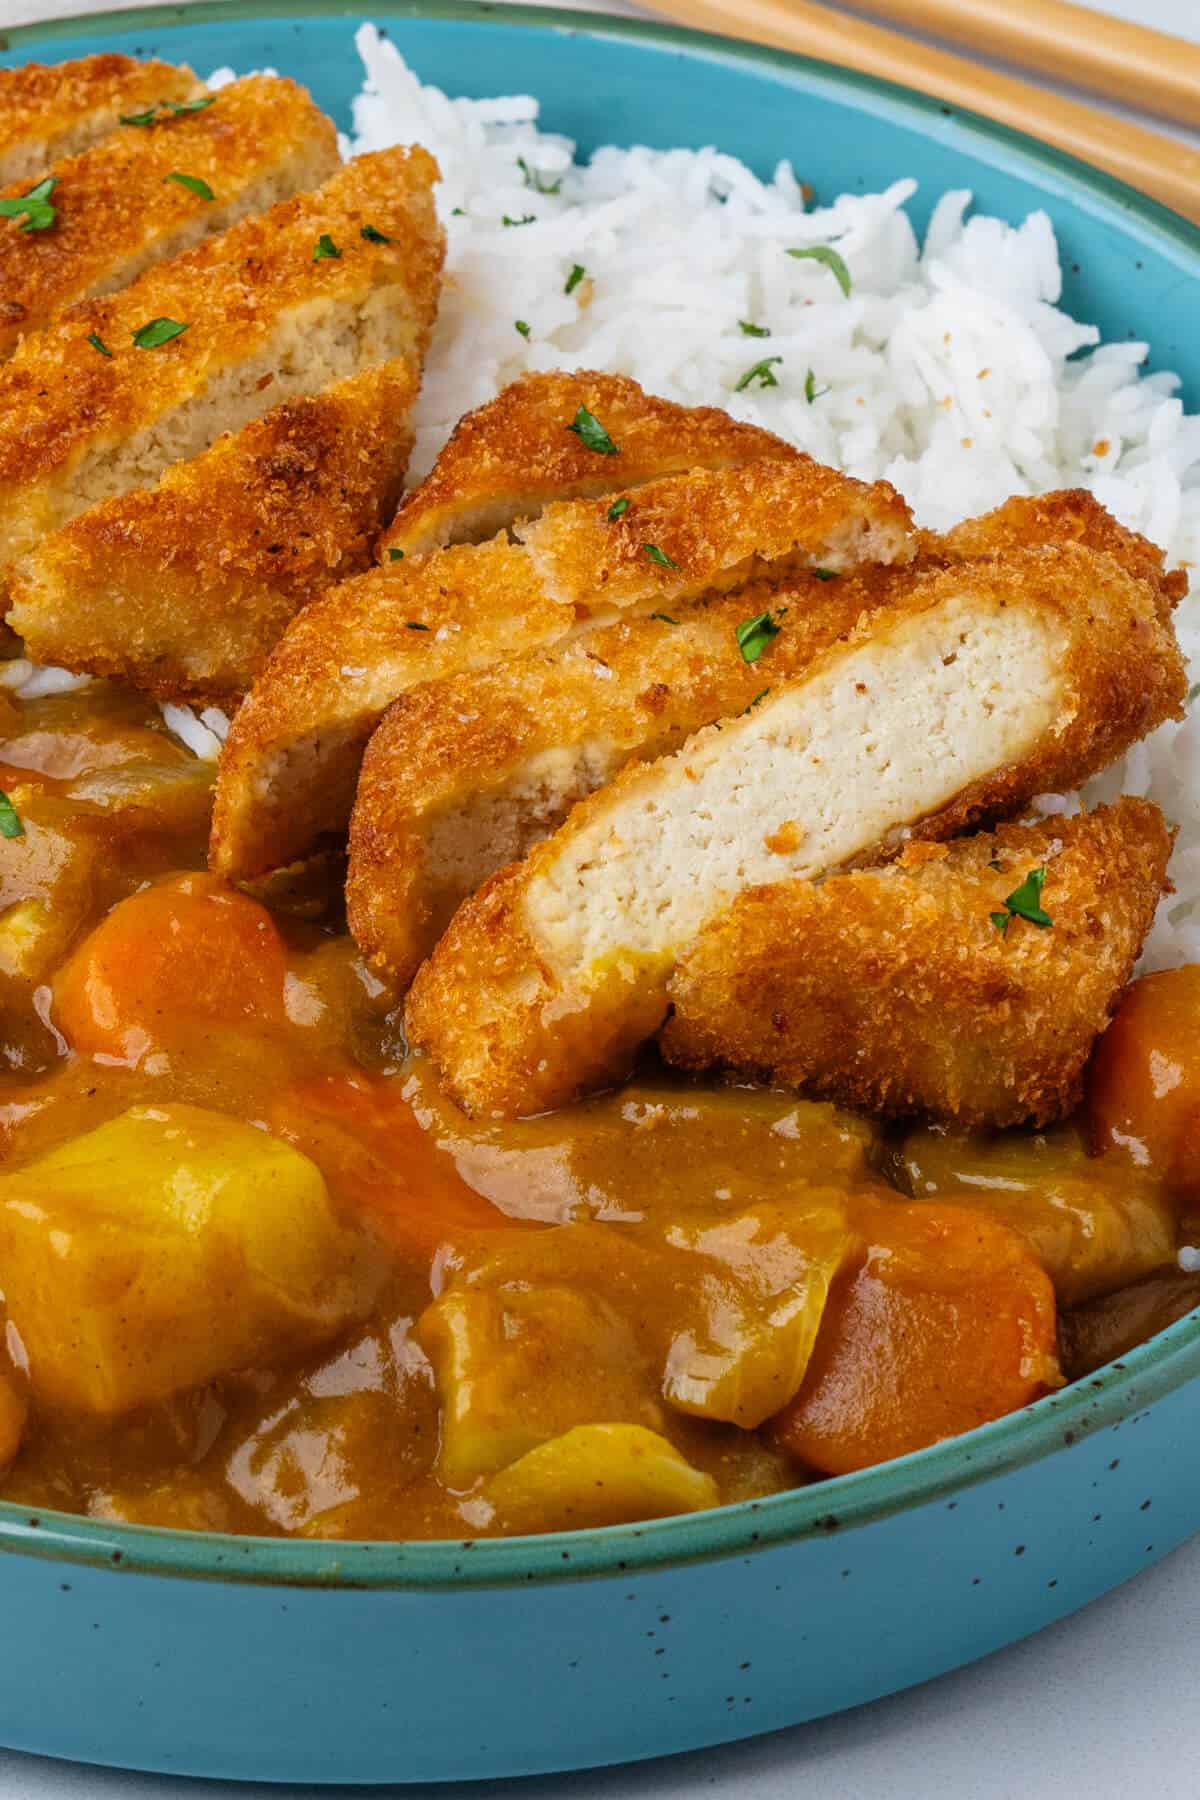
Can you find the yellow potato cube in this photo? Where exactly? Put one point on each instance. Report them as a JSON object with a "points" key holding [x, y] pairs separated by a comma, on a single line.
{"points": [[599, 1475], [167, 1247]]}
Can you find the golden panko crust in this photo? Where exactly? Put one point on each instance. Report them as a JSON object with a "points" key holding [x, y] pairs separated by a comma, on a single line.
{"points": [[505, 460], [49, 110], [118, 208], [511, 1034], [895, 990], [183, 588], [494, 760], [58, 394]]}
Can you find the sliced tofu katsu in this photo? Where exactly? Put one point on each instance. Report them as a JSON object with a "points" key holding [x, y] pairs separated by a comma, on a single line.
{"points": [[183, 588], [289, 768], [530, 445], [987, 683], [467, 774], [51, 110], [966, 982], [144, 193], [283, 304]]}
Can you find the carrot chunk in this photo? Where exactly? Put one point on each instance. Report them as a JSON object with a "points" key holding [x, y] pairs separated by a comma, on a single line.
{"points": [[947, 1321], [189, 949]]}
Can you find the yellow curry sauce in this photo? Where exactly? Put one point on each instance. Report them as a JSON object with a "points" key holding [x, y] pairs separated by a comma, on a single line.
{"points": [[260, 1276]]}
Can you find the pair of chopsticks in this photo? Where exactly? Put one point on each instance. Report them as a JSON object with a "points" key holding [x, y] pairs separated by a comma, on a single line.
{"points": [[1146, 69]]}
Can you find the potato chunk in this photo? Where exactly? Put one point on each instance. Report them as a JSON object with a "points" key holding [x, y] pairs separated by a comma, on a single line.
{"points": [[519, 1365], [599, 1475], [167, 1247]]}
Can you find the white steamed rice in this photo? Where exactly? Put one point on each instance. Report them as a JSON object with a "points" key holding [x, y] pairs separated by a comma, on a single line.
{"points": [[949, 368]]}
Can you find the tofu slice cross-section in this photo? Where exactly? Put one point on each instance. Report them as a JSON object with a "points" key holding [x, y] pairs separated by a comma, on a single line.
{"points": [[902, 989], [144, 193], [268, 316], [988, 683], [289, 769], [183, 588], [51, 110]]}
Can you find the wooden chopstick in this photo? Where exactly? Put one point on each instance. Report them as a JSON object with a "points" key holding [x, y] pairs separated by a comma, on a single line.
{"points": [[1151, 70], [1160, 166]]}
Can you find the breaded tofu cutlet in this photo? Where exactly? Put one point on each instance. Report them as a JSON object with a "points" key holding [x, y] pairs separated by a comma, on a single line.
{"points": [[914, 989], [115, 390], [467, 774], [510, 458], [183, 588], [985, 684], [143, 194], [289, 767], [51, 110]]}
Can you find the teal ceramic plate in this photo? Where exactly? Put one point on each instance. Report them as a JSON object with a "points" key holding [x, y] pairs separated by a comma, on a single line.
{"points": [[299, 1661]]}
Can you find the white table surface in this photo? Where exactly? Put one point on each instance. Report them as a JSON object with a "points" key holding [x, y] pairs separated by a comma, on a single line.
{"points": [[1102, 1705]]}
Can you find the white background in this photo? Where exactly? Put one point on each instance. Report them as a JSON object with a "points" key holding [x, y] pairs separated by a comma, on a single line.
{"points": [[1103, 1705]]}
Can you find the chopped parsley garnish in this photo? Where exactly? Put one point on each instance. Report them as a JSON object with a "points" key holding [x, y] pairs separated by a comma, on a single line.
{"points": [[522, 326], [811, 390], [761, 695], [828, 256], [574, 278], [826, 574], [591, 433], [1025, 902], [665, 617], [458, 212], [415, 625], [10, 818], [324, 248], [534, 180], [34, 208], [395, 555], [617, 508], [192, 183], [525, 219], [1193, 692], [753, 635], [660, 557], [750, 330], [166, 109], [157, 331], [373, 235], [760, 372], [98, 343]]}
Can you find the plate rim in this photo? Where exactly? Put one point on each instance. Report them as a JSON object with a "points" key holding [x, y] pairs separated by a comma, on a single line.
{"points": [[1096, 1402]]}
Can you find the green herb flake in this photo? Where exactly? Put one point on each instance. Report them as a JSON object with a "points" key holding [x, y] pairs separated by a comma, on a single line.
{"points": [[157, 331], [761, 695], [34, 208], [753, 635], [535, 181], [828, 257], [617, 508], [140, 118], [395, 555], [166, 109], [1025, 902], [1193, 692], [659, 556], [826, 574], [10, 818], [98, 343], [415, 625], [177, 107], [525, 219], [665, 617], [192, 183], [811, 390], [750, 330], [373, 234], [325, 248], [760, 372], [574, 278], [458, 212], [522, 326], [591, 433]]}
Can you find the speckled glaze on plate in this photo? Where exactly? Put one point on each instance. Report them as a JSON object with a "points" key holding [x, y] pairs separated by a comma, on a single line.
{"points": [[302, 1661]]}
